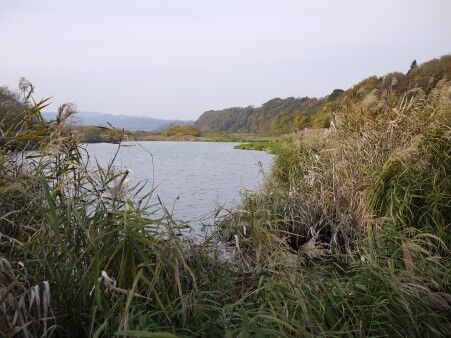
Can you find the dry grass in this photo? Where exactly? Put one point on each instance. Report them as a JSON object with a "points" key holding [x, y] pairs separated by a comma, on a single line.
{"points": [[366, 208], [350, 237]]}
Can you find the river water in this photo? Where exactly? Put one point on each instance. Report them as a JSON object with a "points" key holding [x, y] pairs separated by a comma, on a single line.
{"points": [[194, 179]]}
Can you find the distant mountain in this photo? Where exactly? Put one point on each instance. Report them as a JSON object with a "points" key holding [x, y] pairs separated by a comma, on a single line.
{"points": [[133, 123]]}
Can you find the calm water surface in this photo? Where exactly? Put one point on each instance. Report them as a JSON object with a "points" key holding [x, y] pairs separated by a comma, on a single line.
{"points": [[202, 175]]}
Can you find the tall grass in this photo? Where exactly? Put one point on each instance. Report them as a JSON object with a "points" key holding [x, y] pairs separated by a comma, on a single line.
{"points": [[83, 239], [349, 237], [359, 222]]}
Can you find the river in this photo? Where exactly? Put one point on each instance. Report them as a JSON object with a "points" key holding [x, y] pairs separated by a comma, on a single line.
{"points": [[194, 179]]}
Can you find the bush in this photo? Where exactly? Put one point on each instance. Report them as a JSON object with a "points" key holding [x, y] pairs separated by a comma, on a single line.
{"points": [[180, 131]]}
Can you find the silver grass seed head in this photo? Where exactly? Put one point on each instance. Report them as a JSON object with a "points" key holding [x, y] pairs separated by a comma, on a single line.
{"points": [[25, 86], [65, 111], [394, 81]]}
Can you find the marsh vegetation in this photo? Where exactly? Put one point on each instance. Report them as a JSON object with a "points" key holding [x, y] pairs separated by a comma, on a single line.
{"points": [[350, 236]]}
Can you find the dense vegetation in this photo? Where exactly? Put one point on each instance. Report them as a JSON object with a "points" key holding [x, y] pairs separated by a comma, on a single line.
{"points": [[95, 134], [276, 115], [175, 131], [281, 116], [270, 146], [349, 237]]}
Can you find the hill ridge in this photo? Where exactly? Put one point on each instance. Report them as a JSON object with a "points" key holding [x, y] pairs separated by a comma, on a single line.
{"points": [[284, 115]]}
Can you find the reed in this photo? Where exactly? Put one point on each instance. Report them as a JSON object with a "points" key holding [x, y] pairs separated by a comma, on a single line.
{"points": [[349, 237]]}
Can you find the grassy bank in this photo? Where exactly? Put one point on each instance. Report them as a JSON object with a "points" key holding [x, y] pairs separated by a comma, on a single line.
{"points": [[93, 134], [272, 147], [349, 237], [355, 226]]}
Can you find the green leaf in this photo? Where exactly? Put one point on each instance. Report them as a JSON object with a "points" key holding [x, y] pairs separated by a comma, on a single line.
{"points": [[99, 330], [136, 333]]}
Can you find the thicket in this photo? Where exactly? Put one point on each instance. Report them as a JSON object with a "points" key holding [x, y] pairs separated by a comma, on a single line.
{"points": [[96, 134], [351, 235], [180, 131]]}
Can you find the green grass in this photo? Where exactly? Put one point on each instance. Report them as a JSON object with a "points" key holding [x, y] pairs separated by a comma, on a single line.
{"points": [[92, 134], [271, 146]]}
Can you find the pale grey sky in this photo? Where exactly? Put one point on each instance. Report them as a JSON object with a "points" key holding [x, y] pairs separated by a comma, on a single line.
{"points": [[176, 59]]}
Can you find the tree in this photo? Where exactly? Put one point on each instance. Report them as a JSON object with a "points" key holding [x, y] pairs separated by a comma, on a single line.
{"points": [[413, 66], [301, 122]]}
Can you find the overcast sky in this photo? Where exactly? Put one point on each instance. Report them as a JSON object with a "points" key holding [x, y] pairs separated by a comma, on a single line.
{"points": [[176, 59]]}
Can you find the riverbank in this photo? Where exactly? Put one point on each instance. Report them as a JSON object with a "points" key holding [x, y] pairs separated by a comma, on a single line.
{"points": [[348, 237], [270, 146], [274, 145], [92, 134], [269, 143]]}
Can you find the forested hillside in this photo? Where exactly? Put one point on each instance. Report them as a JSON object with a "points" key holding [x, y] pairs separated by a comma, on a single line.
{"points": [[279, 116], [276, 115]]}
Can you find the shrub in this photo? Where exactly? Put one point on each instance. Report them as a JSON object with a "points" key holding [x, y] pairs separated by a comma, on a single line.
{"points": [[180, 131]]}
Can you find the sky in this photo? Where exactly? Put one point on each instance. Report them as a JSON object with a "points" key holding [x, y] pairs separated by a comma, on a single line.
{"points": [[176, 59]]}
